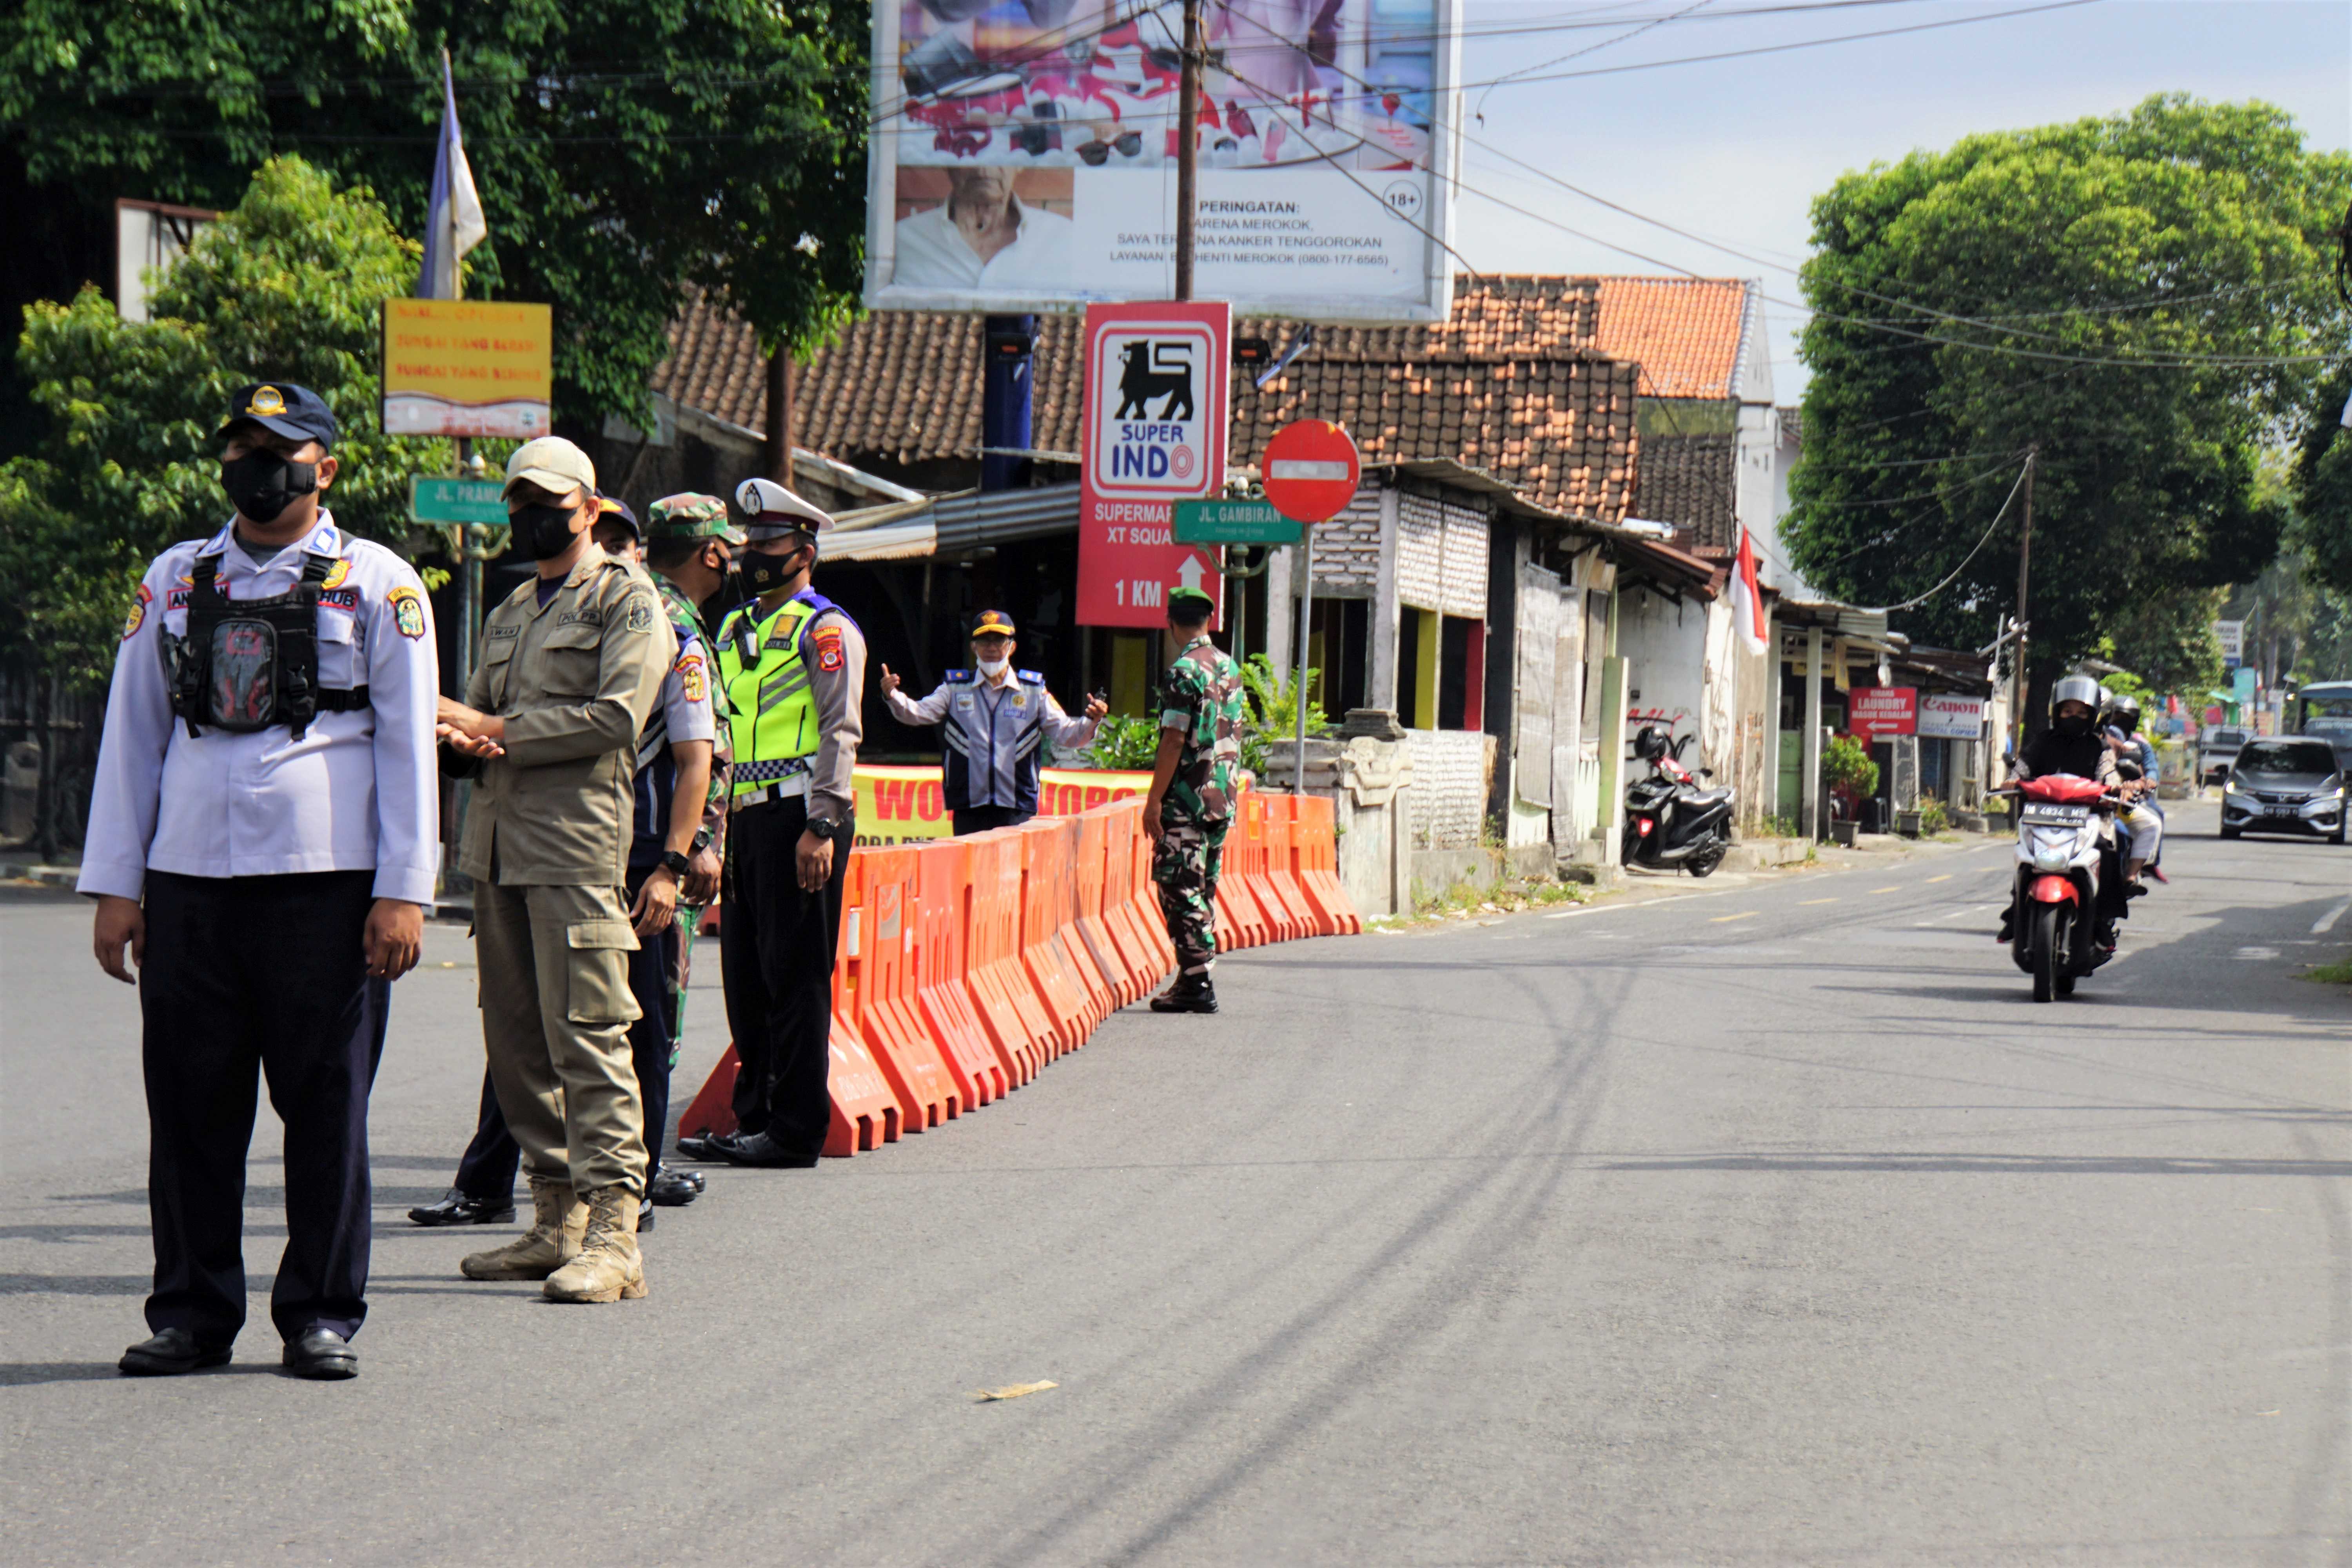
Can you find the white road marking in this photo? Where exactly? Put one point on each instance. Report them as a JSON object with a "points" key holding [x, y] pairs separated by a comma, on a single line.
{"points": [[2327, 922], [2256, 953]]}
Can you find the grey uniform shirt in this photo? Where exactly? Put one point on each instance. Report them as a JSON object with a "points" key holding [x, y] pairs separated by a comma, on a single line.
{"points": [[836, 651], [1003, 761]]}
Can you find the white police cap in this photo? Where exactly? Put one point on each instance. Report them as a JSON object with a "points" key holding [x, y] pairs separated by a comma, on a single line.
{"points": [[770, 510]]}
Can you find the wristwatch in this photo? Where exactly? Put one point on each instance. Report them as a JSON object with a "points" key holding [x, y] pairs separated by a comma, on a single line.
{"points": [[674, 863]]}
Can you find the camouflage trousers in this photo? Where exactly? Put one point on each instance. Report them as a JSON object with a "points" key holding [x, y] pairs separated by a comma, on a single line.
{"points": [[1184, 866]]}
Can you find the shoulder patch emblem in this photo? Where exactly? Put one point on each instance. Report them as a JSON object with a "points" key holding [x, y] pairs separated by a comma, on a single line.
{"points": [[336, 574], [641, 613], [138, 615], [829, 655], [407, 611], [690, 679]]}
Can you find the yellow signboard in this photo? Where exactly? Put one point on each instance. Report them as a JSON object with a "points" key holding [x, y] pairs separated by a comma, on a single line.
{"points": [[904, 805], [466, 367]]}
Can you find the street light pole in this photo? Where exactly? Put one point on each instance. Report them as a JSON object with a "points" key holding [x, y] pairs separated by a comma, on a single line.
{"points": [[1188, 152], [2024, 562]]}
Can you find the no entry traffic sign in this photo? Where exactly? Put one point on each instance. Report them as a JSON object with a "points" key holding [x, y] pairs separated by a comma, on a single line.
{"points": [[1311, 470]]}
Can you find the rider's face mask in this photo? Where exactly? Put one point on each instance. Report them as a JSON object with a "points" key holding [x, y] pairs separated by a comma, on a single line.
{"points": [[2071, 723]]}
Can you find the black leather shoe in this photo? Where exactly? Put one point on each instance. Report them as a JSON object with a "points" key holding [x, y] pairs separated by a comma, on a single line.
{"points": [[169, 1353], [321, 1353], [708, 1145], [761, 1150], [670, 1190], [1191, 994], [459, 1209]]}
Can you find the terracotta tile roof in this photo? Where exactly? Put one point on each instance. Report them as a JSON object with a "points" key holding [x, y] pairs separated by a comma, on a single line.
{"points": [[1684, 332], [1688, 481], [1509, 385]]}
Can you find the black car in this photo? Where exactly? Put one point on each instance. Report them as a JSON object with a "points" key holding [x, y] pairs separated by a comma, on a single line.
{"points": [[2286, 786]]}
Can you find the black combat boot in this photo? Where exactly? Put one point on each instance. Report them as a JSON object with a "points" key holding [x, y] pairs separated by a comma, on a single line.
{"points": [[1190, 994]]}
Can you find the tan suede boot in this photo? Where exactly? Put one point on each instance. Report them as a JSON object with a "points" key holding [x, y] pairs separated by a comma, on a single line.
{"points": [[609, 1267], [559, 1221]]}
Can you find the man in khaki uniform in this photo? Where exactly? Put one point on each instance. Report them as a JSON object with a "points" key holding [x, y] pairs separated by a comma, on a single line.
{"points": [[571, 664]]}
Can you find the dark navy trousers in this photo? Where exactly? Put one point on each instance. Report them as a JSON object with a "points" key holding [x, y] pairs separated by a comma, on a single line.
{"points": [[263, 978]]}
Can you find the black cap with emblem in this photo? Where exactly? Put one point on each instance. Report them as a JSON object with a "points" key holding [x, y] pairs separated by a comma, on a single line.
{"points": [[284, 409]]}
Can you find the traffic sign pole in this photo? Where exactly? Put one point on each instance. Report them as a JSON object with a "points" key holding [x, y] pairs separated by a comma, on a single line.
{"points": [[1311, 472], [1306, 619]]}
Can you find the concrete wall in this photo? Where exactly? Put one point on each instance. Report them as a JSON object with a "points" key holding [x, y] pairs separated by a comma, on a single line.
{"points": [[1450, 773], [1664, 647]]}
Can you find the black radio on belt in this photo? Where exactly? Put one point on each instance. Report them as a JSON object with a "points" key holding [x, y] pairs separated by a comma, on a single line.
{"points": [[249, 665]]}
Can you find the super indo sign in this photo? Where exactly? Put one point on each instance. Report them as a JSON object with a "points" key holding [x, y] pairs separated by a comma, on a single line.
{"points": [[1153, 434]]}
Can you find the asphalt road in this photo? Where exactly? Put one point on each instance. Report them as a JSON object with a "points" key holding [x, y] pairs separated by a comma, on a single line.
{"points": [[1771, 1224]]}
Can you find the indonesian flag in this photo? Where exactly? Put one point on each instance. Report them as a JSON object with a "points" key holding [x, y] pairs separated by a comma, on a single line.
{"points": [[1747, 599]]}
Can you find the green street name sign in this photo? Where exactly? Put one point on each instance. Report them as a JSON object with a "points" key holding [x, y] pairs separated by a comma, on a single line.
{"points": [[1233, 522], [457, 501]]}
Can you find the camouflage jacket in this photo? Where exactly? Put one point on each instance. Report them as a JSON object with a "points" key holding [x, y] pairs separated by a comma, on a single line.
{"points": [[687, 620], [1201, 695]]}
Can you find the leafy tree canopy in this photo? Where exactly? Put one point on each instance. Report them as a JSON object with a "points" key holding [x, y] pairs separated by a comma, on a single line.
{"points": [[2323, 485], [286, 288], [624, 149], [2142, 298]]}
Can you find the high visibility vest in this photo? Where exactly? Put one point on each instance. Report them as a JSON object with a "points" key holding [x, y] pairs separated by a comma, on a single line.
{"points": [[771, 711]]}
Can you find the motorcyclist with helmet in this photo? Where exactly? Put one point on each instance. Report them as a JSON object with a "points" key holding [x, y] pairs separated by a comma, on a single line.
{"points": [[2072, 744]]}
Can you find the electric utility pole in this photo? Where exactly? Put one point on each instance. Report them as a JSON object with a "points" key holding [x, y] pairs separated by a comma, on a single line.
{"points": [[1188, 152], [2024, 562]]}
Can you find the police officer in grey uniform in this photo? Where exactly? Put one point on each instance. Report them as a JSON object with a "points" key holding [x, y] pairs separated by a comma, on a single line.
{"points": [[996, 722], [264, 834]]}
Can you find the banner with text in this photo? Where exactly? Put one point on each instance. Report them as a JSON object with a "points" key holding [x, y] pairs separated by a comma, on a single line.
{"points": [[1029, 161], [1881, 712], [905, 804]]}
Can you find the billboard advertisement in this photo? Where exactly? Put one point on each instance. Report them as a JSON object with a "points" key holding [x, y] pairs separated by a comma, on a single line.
{"points": [[1023, 155], [1152, 434], [466, 367]]}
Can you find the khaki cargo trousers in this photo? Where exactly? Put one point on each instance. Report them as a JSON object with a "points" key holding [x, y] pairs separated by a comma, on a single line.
{"points": [[556, 1011]]}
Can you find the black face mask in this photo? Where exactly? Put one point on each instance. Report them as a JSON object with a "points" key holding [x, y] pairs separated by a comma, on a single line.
{"points": [[2071, 724], [545, 530], [264, 484], [764, 574]]}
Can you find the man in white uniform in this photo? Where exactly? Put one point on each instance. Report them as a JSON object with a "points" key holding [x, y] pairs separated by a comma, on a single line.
{"points": [[263, 837], [982, 236]]}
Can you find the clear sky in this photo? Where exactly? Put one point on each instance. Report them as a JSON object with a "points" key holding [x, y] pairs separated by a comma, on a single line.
{"points": [[1736, 149]]}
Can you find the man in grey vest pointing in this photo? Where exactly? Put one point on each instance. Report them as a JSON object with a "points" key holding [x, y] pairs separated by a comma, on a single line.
{"points": [[996, 720]]}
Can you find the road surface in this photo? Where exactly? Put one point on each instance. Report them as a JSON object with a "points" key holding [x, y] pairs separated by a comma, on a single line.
{"points": [[1770, 1223]]}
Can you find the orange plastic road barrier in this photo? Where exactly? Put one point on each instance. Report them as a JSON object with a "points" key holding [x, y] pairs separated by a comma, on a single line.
{"points": [[942, 902], [1239, 863], [881, 986], [1120, 826], [713, 1110], [864, 1111], [1315, 846], [1093, 930], [1078, 945], [1280, 875], [1045, 878], [1149, 918], [1001, 992]]}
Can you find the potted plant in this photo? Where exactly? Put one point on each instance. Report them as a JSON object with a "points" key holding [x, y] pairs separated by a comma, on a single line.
{"points": [[1850, 775]]}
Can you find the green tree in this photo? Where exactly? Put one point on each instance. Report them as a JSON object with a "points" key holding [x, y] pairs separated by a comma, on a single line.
{"points": [[2138, 297], [2322, 483], [285, 288], [625, 149]]}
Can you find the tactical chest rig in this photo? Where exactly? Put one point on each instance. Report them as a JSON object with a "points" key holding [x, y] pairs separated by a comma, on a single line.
{"points": [[247, 666]]}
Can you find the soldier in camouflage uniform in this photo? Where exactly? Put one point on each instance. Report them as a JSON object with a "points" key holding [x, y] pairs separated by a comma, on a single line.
{"points": [[1191, 799]]}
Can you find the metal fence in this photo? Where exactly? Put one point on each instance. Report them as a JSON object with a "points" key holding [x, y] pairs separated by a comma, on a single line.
{"points": [[49, 754]]}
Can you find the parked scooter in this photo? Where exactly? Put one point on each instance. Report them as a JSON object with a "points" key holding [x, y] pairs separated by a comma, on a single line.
{"points": [[1670, 820], [2062, 863]]}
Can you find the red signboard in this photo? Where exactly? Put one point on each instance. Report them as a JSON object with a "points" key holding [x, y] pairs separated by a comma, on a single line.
{"points": [[1880, 712], [1153, 433], [1311, 470]]}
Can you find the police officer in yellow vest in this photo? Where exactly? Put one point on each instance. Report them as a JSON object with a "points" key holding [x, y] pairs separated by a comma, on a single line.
{"points": [[792, 665]]}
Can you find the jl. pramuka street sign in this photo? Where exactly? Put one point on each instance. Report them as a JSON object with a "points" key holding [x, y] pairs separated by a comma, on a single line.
{"points": [[1233, 522], [447, 501]]}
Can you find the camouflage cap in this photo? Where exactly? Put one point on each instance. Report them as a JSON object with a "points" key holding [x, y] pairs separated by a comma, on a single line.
{"points": [[690, 515]]}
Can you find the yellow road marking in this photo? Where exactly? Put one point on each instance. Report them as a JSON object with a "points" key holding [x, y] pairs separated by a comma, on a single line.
{"points": [[1886, 889], [1801, 902], [1944, 878], [1742, 915]]}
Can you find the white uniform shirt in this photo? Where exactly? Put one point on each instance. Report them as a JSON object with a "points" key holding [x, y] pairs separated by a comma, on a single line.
{"points": [[932, 253], [359, 791]]}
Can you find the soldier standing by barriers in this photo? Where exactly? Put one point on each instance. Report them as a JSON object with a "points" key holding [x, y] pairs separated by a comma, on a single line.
{"points": [[997, 724], [1191, 798], [572, 666], [262, 835], [792, 667]]}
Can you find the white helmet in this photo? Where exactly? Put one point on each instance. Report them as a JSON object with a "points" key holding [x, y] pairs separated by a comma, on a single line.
{"points": [[771, 510], [2079, 688]]}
